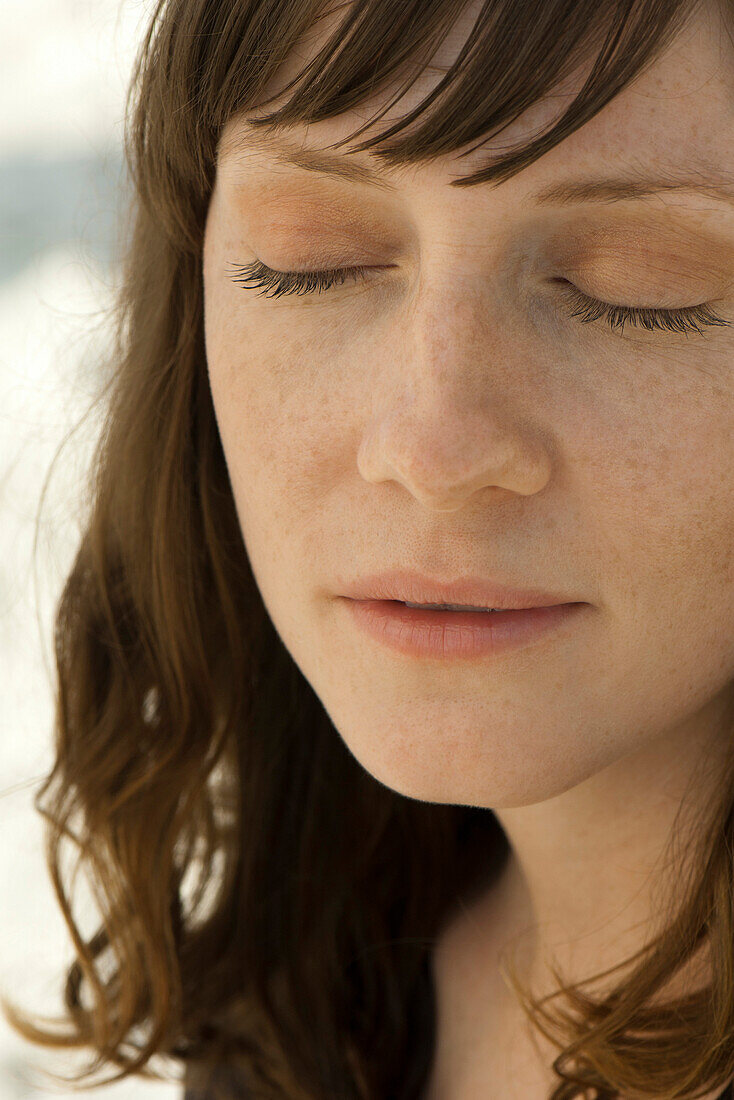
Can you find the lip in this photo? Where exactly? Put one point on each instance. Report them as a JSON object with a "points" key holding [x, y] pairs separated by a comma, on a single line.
{"points": [[458, 635], [406, 585]]}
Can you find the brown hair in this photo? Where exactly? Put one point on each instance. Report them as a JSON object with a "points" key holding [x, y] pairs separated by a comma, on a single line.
{"points": [[263, 899]]}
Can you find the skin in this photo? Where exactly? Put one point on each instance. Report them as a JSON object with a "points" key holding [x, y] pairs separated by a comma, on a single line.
{"points": [[451, 416]]}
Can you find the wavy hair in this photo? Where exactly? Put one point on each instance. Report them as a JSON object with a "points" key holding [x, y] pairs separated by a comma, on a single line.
{"points": [[264, 902]]}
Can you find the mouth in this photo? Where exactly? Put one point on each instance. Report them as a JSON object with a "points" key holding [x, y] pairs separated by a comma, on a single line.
{"points": [[450, 607], [450, 631], [459, 611], [469, 594]]}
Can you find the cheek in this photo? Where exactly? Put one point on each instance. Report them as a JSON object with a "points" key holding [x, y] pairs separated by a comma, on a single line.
{"points": [[279, 423], [665, 491]]}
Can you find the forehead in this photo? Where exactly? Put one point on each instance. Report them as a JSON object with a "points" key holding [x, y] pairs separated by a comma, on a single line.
{"points": [[677, 115]]}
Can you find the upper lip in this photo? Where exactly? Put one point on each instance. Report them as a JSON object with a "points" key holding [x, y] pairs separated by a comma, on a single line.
{"points": [[405, 585]]}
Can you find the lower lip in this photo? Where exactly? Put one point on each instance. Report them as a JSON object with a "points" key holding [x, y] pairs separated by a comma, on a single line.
{"points": [[457, 634]]}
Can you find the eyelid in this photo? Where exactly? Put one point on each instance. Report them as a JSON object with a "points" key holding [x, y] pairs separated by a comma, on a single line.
{"points": [[703, 248], [590, 309], [682, 319], [270, 278]]}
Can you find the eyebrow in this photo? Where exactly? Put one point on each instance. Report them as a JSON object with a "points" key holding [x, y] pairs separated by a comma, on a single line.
{"points": [[344, 167]]}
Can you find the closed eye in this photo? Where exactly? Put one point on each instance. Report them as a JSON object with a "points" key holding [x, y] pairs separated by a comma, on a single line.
{"points": [[295, 282], [683, 320], [587, 310]]}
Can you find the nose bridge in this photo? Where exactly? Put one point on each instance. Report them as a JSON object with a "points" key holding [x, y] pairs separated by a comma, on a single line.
{"points": [[455, 349], [446, 420]]}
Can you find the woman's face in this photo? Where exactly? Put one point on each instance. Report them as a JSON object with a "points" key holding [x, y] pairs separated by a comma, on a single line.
{"points": [[450, 415]]}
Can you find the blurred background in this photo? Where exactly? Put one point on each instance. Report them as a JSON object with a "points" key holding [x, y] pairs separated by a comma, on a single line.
{"points": [[63, 79]]}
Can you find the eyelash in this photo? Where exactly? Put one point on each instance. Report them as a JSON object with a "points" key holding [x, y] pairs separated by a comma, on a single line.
{"points": [[587, 309]]}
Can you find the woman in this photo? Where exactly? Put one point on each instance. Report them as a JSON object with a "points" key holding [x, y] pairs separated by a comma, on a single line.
{"points": [[478, 849]]}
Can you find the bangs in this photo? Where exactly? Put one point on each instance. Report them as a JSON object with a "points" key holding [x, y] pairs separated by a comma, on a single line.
{"points": [[517, 53]]}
